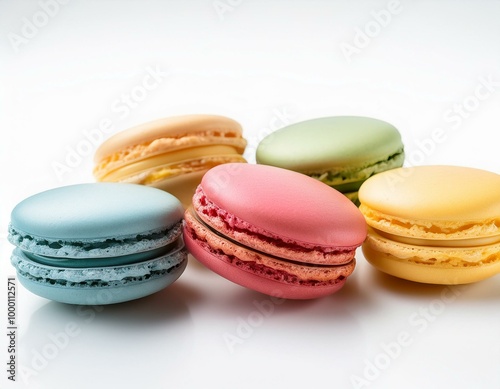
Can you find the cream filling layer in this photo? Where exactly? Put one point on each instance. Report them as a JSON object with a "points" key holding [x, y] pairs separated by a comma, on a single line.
{"points": [[358, 174], [223, 245], [163, 165], [433, 255], [280, 246], [166, 145], [453, 242], [432, 230]]}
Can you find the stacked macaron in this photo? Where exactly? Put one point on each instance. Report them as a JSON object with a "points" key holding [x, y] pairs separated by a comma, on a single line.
{"points": [[341, 151], [100, 243], [170, 154]]}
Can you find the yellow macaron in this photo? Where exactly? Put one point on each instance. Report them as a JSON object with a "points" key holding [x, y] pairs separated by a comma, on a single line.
{"points": [[171, 153], [433, 224]]}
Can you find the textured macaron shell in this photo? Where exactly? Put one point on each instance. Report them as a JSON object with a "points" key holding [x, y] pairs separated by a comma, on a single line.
{"points": [[274, 203], [166, 135], [96, 220], [258, 262], [172, 127], [100, 286], [161, 166], [261, 279], [434, 202], [429, 264], [330, 144], [97, 276], [433, 254]]}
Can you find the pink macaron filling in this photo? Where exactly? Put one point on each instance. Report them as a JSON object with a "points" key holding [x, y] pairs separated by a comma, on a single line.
{"points": [[198, 234]]}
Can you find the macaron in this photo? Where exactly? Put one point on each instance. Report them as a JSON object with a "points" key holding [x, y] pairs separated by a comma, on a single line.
{"points": [[433, 224], [341, 151], [273, 230], [171, 154], [98, 243]]}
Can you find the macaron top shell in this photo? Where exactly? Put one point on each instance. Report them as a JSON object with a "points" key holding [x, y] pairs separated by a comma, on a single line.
{"points": [[158, 136], [96, 211], [279, 202], [433, 201], [326, 143], [171, 127]]}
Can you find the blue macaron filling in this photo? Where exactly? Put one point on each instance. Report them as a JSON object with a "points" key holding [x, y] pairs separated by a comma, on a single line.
{"points": [[100, 262]]}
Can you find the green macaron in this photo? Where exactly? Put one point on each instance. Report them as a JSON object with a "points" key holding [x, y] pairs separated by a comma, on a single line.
{"points": [[341, 151]]}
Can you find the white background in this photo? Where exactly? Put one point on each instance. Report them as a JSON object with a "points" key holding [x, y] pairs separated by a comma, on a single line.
{"points": [[423, 68]]}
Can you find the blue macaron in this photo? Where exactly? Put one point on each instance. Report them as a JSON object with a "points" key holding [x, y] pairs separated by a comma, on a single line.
{"points": [[98, 243]]}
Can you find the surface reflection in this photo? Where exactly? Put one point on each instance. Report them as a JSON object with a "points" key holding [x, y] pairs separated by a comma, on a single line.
{"points": [[138, 341]]}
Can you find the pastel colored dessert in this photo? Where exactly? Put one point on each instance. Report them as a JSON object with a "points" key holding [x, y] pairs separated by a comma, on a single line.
{"points": [[341, 151], [433, 224], [98, 243], [171, 154], [273, 230]]}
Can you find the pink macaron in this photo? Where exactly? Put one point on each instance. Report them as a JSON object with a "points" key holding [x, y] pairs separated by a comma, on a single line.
{"points": [[273, 230]]}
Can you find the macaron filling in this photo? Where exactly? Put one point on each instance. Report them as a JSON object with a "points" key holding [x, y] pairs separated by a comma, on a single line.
{"points": [[198, 165], [469, 242], [172, 163], [158, 146], [106, 261], [445, 256], [260, 263], [349, 179], [464, 232]]}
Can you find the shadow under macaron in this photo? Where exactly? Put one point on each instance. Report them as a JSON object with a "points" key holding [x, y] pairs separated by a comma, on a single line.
{"points": [[166, 305], [61, 341], [481, 290]]}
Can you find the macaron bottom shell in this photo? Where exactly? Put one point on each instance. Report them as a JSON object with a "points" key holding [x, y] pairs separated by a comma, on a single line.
{"points": [[431, 265], [99, 286], [219, 264]]}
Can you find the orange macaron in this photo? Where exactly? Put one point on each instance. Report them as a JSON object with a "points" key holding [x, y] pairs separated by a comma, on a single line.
{"points": [[171, 153]]}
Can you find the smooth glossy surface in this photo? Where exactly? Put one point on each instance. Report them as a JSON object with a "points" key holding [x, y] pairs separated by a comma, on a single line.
{"points": [[330, 143], [441, 193], [96, 211]]}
